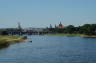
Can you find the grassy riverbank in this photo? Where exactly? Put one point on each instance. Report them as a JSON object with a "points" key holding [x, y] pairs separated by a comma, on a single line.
{"points": [[80, 35], [7, 40]]}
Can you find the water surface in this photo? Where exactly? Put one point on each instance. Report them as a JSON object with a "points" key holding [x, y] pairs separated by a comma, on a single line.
{"points": [[51, 49]]}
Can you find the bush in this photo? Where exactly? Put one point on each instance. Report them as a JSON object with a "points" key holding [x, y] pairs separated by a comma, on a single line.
{"points": [[3, 32]]}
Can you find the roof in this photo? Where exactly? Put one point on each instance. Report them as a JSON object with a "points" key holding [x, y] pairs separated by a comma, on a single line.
{"points": [[60, 26]]}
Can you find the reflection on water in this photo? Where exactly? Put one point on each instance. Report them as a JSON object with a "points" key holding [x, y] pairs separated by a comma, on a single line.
{"points": [[51, 49]]}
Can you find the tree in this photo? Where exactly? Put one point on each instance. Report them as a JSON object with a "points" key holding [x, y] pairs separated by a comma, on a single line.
{"points": [[70, 29], [3, 32]]}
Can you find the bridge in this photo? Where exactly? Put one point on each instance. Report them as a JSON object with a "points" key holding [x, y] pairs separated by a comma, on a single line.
{"points": [[28, 31]]}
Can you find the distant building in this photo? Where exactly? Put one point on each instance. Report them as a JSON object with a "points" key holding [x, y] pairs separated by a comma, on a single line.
{"points": [[59, 26], [19, 26], [50, 26]]}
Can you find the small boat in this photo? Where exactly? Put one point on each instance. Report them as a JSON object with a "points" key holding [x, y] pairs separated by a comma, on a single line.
{"points": [[30, 41]]}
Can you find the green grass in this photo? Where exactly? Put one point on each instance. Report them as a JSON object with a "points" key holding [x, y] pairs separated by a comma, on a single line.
{"points": [[7, 36], [80, 35], [7, 40], [3, 44], [63, 34]]}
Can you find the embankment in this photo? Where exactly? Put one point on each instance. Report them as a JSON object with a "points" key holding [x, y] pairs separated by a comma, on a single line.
{"points": [[5, 41]]}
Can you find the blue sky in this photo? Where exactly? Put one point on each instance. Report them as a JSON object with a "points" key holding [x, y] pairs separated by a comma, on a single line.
{"points": [[42, 13]]}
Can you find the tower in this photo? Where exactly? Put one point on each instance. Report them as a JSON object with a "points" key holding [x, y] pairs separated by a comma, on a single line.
{"points": [[19, 26], [55, 26], [60, 24], [50, 26]]}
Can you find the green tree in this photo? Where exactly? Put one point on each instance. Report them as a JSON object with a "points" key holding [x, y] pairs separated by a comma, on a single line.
{"points": [[70, 29]]}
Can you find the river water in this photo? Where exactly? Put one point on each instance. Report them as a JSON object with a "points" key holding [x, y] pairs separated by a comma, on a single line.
{"points": [[51, 49]]}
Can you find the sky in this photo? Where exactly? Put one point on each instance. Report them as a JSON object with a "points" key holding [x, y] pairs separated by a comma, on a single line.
{"points": [[42, 13]]}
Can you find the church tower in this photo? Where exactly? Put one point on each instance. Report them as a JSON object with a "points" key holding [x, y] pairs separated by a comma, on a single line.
{"points": [[60, 24]]}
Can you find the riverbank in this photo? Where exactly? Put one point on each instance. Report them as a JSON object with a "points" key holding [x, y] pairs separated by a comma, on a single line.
{"points": [[5, 41], [80, 35]]}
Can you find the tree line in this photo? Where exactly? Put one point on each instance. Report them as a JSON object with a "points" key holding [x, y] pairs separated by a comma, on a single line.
{"points": [[88, 29]]}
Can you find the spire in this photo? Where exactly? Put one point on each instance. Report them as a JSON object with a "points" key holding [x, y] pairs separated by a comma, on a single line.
{"points": [[55, 26], [60, 24], [19, 26], [50, 26]]}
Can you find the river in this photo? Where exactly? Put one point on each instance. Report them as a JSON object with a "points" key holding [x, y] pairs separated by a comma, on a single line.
{"points": [[51, 49]]}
